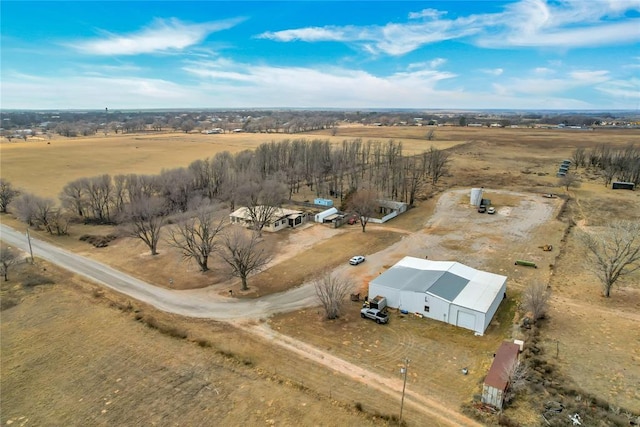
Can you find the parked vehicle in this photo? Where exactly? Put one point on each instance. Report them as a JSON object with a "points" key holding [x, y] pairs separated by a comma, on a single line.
{"points": [[356, 260], [482, 209], [491, 210], [374, 314], [378, 302]]}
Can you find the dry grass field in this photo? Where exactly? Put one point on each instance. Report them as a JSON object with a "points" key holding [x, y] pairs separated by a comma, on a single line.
{"points": [[596, 339], [73, 356]]}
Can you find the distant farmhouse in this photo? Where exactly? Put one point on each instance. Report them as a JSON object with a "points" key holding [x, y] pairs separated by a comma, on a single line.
{"points": [[282, 218]]}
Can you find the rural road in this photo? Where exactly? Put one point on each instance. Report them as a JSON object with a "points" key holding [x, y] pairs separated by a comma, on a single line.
{"points": [[194, 303]]}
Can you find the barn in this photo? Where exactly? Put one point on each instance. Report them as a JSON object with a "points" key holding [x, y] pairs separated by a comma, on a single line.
{"points": [[497, 380], [442, 290]]}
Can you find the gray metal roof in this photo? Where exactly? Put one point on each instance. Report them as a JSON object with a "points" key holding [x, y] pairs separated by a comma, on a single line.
{"points": [[448, 286], [409, 279]]}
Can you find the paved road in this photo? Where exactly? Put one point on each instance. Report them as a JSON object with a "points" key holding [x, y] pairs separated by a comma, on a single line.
{"points": [[194, 303]]}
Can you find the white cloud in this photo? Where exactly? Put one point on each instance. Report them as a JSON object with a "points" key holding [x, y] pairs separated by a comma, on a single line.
{"points": [[311, 34], [586, 36], [222, 83], [161, 36], [589, 77], [543, 71], [526, 23], [92, 92], [392, 39], [435, 63], [493, 71], [543, 85], [427, 13], [564, 25], [628, 90]]}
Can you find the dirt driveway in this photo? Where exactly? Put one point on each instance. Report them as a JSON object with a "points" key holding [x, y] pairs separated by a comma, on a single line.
{"points": [[457, 232]]}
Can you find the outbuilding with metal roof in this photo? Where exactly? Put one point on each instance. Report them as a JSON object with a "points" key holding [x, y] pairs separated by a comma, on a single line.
{"points": [[447, 291]]}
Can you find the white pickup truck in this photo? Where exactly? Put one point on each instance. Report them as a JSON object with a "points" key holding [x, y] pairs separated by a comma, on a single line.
{"points": [[374, 314]]}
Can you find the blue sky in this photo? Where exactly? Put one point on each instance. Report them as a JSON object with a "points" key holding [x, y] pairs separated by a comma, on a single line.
{"points": [[526, 54]]}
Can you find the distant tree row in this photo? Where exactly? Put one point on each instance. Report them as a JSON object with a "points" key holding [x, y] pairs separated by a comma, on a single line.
{"points": [[622, 164], [76, 123]]}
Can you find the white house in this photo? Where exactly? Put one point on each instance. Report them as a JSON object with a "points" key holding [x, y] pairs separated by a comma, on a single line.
{"points": [[442, 290], [282, 218]]}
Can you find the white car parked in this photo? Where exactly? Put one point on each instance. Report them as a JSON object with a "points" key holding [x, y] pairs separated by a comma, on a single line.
{"points": [[356, 260]]}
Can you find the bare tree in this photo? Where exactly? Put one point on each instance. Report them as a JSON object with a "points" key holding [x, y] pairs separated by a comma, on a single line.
{"points": [[614, 252], [144, 219], [99, 191], [536, 300], [607, 174], [244, 252], [188, 125], [579, 157], [7, 194], [44, 212], [364, 203], [176, 186], [332, 291], [438, 162], [73, 197], [569, 181], [58, 222], [7, 259], [262, 200], [197, 233], [516, 375], [25, 207]]}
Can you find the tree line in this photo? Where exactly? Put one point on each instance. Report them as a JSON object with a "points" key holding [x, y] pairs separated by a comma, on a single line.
{"points": [[260, 180], [621, 164]]}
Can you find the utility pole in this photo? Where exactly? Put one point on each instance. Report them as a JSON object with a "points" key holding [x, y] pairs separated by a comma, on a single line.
{"points": [[30, 249], [403, 371]]}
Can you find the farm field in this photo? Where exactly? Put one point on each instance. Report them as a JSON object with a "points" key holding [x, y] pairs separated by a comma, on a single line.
{"points": [[596, 337]]}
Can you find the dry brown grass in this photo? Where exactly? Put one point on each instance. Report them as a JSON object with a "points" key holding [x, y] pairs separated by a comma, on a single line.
{"points": [[596, 334], [310, 263], [72, 356]]}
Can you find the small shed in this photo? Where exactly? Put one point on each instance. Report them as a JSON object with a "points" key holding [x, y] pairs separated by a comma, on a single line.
{"points": [[619, 185], [323, 202], [322, 216], [497, 380]]}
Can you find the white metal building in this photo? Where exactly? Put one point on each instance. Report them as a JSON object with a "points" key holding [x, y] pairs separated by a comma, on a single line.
{"points": [[326, 216], [442, 290]]}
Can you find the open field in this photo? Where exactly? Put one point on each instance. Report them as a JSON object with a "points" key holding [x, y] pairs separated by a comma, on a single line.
{"points": [[597, 338], [71, 356]]}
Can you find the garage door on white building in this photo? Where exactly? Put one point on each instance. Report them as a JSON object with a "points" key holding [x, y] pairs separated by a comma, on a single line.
{"points": [[466, 320]]}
